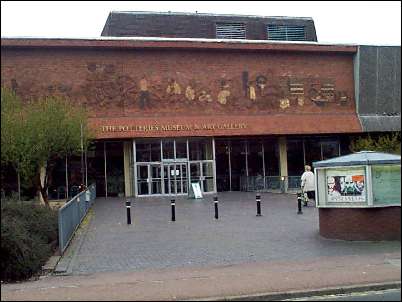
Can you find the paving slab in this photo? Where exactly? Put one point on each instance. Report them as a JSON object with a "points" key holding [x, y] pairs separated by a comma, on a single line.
{"points": [[198, 257], [108, 244]]}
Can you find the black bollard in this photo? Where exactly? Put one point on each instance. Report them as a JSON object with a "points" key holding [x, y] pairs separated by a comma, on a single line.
{"points": [[216, 206], [299, 203], [258, 200], [172, 202], [128, 206]]}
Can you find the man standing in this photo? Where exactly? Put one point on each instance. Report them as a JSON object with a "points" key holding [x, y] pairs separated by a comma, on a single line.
{"points": [[308, 183]]}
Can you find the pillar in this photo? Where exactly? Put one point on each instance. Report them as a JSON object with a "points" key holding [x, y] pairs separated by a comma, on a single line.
{"points": [[283, 160], [128, 179]]}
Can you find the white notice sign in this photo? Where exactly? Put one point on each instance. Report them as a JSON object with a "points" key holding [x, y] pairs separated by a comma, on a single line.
{"points": [[196, 189]]}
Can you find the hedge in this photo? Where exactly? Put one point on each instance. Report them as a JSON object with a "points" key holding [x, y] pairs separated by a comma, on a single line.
{"points": [[28, 238]]}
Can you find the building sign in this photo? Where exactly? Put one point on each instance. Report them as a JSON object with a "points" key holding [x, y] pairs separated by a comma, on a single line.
{"points": [[173, 127], [346, 185]]}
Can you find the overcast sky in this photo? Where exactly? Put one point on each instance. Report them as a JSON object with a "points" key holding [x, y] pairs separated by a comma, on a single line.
{"points": [[371, 22]]}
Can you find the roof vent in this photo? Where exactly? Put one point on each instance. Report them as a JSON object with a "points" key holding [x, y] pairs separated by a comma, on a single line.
{"points": [[230, 31], [286, 32]]}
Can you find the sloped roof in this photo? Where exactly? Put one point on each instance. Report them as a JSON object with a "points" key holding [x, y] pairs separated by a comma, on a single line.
{"points": [[194, 25], [360, 158]]}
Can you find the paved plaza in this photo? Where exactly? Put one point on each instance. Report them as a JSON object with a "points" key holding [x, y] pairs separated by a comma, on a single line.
{"points": [[153, 241]]}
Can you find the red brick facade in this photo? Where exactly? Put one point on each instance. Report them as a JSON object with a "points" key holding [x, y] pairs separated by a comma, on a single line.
{"points": [[374, 224], [159, 89]]}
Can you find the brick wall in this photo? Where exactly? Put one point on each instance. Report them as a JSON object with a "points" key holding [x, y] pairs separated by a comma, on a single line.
{"points": [[270, 92], [374, 224]]}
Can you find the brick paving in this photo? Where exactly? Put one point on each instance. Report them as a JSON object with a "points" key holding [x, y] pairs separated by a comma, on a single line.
{"points": [[197, 239]]}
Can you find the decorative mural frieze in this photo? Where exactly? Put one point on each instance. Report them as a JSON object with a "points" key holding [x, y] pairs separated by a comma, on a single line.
{"points": [[112, 89]]}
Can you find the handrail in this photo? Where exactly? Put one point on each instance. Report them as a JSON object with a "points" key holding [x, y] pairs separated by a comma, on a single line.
{"points": [[72, 213]]}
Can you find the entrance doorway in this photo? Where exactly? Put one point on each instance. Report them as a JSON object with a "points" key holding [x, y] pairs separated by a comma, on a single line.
{"points": [[175, 178], [169, 166], [149, 179], [203, 172]]}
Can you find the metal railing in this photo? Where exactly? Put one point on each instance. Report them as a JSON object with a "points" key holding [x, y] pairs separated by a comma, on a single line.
{"points": [[72, 214], [270, 183]]}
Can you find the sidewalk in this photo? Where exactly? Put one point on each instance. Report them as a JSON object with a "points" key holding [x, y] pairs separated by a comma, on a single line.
{"points": [[272, 280]]}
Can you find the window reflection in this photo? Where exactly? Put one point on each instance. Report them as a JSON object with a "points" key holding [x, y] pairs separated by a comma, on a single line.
{"points": [[148, 150], [181, 149], [312, 148], [168, 149], [200, 149], [330, 150]]}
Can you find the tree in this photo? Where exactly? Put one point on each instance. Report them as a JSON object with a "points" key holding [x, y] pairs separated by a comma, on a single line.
{"points": [[389, 143], [38, 132], [16, 137]]}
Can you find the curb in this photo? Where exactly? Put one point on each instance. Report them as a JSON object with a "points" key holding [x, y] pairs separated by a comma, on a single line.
{"points": [[276, 296]]}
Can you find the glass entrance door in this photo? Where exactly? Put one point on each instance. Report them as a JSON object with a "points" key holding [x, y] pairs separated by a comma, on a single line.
{"points": [[165, 166], [175, 178], [155, 179], [203, 172], [149, 179], [143, 179]]}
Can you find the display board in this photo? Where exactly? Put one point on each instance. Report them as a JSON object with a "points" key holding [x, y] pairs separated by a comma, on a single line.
{"points": [[346, 185], [386, 184]]}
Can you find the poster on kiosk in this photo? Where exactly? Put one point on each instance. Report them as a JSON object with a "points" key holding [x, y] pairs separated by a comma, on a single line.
{"points": [[346, 186]]}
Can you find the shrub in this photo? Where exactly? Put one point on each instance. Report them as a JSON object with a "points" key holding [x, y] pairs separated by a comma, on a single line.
{"points": [[28, 234], [388, 143]]}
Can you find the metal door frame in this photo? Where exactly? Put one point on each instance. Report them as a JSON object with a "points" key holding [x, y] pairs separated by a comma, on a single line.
{"points": [[169, 179], [202, 176]]}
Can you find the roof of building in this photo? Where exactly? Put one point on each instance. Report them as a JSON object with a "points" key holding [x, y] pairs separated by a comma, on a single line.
{"points": [[360, 158], [169, 13], [198, 25], [183, 43]]}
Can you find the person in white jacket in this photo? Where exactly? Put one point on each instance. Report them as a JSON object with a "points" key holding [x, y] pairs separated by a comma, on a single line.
{"points": [[308, 183]]}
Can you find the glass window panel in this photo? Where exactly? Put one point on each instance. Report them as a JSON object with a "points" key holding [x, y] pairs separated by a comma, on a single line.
{"points": [[200, 149], [142, 180], [330, 150], [254, 159], [156, 180], [312, 148], [295, 157], [166, 178], [208, 185], [96, 168], [181, 149], [271, 157], [115, 168], [344, 142], [57, 179], [168, 149], [238, 164], [222, 165], [207, 169], [386, 184], [148, 150], [195, 172], [183, 169], [155, 147], [142, 152]]}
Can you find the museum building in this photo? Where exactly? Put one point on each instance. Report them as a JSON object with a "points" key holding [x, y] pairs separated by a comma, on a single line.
{"points": [[236, 103]]}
